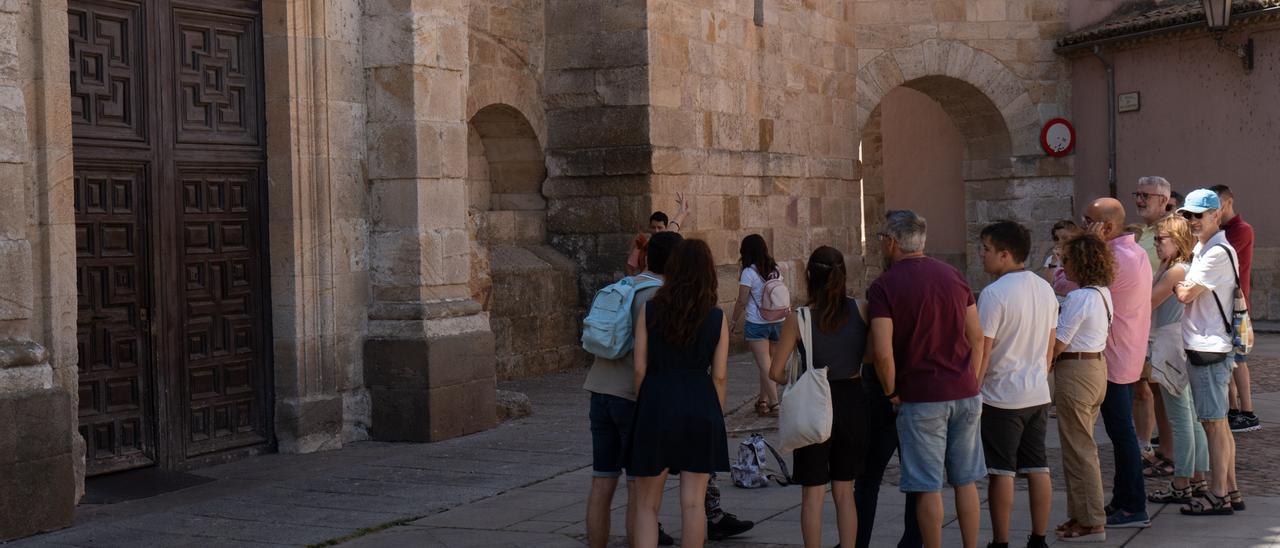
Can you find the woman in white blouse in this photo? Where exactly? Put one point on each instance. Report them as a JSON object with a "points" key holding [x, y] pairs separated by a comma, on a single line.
{"points": [[1080, 385]]}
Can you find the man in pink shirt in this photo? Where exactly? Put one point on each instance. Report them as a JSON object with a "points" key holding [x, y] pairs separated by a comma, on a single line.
{"points": [[1125, 353]]}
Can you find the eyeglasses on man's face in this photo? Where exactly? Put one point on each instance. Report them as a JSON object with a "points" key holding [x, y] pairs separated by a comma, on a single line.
{"points": [[1144, 196]]}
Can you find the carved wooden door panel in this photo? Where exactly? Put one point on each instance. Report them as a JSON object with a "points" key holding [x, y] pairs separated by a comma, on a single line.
{"points": [[114, 173], [217, 173], [166, 100]]}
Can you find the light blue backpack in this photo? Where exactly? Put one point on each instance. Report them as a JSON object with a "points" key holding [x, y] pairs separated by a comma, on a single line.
{"points": [[607, 331]]}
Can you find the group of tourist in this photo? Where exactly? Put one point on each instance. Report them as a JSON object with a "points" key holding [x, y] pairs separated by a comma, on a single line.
{"points": [[959, 386]]}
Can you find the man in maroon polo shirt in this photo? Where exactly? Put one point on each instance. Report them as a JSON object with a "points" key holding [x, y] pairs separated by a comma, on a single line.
{"points": [[1240, 235]]}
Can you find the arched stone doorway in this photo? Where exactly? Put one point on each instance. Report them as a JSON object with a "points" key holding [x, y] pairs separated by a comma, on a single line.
{"points": [[1004, 173], [528, 289]]}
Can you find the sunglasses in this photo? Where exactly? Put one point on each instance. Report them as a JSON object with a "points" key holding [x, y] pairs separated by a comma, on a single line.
{"points": [[1189, 215], [1163, 238], [1146, 196]]}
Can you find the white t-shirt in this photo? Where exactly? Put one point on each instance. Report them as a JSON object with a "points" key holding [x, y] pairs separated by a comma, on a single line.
{"points": [[1017, 311], [1202, 326], [1084, 322], [752, 279]]}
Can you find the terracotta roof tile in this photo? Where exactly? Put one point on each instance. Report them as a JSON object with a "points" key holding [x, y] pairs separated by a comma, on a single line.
{"points": [[1145, 15]]}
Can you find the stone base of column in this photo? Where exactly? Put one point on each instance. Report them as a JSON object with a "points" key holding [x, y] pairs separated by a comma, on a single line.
{"points": [[433, 385], [37, 477], [305, 425]]}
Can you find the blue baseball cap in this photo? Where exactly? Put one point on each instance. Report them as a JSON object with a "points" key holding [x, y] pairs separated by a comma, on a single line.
{"points": [[1201, 200]]}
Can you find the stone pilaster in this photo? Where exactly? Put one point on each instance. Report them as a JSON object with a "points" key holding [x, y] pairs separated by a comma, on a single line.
{"points": [[428, 358], [319, 271], [39, 482]]}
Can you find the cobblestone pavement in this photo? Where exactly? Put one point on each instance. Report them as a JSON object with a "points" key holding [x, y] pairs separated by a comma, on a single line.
{"points": [[525, 484]]}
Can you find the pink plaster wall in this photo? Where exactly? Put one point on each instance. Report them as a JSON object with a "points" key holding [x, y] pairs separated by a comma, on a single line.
{"points": [[923, 152], [1203, 121]]}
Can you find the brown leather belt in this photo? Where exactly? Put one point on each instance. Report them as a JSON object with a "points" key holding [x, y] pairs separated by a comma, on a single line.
{"points": [[1079, 356]]}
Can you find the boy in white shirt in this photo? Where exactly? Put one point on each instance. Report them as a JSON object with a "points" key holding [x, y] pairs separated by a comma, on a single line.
{"points": [[1019, 315]]}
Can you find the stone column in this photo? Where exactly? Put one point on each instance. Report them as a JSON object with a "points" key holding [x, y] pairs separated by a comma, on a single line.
{"points": [[428, 360], [599, 157], [38, 482]]}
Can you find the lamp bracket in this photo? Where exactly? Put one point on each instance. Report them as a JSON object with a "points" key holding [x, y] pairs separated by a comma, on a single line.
{"points": [[1243, 50]]}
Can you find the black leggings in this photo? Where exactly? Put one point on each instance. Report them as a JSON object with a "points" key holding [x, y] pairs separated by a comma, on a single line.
{"points": [[882, 433]]}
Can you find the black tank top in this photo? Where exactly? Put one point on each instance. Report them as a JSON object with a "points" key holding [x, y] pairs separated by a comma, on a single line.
{"points": [[841, 352]]}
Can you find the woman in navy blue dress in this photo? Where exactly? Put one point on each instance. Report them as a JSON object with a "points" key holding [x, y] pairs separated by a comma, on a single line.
{"points": [[681, 361]]}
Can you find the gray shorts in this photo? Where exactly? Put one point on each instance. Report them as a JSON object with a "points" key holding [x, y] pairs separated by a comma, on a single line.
{"points": [[1209, 388]]}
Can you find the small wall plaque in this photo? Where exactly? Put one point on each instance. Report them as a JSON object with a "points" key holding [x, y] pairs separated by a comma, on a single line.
{"points": [[1129, 102]]}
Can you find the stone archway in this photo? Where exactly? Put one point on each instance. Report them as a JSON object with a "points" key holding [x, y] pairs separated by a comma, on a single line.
{"points": [[528, 289], [1005, 174]]}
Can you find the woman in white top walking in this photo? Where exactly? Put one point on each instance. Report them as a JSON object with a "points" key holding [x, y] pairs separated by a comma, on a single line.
{"points": [[1080, 373], [761, 333]]}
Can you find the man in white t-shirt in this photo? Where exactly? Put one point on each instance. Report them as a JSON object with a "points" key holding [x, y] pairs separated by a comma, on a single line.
{"points": [[1019, 314], [1206, 333]]}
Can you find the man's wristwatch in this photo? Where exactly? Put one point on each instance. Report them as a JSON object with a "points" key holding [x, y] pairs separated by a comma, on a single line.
{"points": [[891, 395]]}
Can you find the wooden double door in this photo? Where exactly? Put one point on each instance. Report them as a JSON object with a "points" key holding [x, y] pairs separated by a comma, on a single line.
{"points": [[174, 349]]}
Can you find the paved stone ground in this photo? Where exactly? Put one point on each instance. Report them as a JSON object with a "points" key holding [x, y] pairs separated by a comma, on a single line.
{"points": [[525, 484]]}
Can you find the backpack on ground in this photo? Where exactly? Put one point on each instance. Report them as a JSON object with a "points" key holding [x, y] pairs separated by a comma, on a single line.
{"points": [[749, 471], [607, 330], [1239, 327], [775, 299]]}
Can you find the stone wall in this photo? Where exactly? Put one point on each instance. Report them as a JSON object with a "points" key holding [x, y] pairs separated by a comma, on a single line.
{"points": [[990, 65], [596, 94], [753, 118]]}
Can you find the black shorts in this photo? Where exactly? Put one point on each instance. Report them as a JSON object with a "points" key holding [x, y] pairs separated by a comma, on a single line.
{"points": [[1013, 440], [843, 457]]}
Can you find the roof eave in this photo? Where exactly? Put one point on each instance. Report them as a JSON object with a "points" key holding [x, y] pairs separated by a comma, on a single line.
{"points": [[1272, 12]]}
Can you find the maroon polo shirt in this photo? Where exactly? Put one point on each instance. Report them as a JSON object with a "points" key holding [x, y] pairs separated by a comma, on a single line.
{"points": [[1240, 236], [927, 300]]}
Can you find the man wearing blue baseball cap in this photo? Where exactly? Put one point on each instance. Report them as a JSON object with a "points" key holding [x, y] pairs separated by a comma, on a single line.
{"points": [[1206, 334]]}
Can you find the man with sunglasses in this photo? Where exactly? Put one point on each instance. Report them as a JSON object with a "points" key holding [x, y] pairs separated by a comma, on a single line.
{"points": [[1125, 353], [1240, 236], [1206, 335]]}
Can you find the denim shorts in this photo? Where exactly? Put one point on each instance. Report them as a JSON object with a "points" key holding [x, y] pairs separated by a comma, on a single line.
{"points": [[940, 437], [1209, 388], [1241, 358], [762, 331], [611, 419]]}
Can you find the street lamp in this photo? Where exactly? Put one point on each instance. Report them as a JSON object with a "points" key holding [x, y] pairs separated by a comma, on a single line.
{"points": [[1217, 14]]}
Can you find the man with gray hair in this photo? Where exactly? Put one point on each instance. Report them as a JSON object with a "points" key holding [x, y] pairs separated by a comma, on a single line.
{"points": [[1152, 201], [928, 348]]}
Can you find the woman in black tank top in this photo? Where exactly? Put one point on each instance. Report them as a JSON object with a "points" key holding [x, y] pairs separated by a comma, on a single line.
{"points": [[839, 344]]}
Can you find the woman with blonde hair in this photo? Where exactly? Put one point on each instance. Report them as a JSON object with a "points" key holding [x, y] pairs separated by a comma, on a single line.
{"points": [[1081, 382], [1186, 441]]}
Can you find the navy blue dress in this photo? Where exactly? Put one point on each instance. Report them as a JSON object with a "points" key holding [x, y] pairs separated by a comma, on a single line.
{"points": [[678, 424]]}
